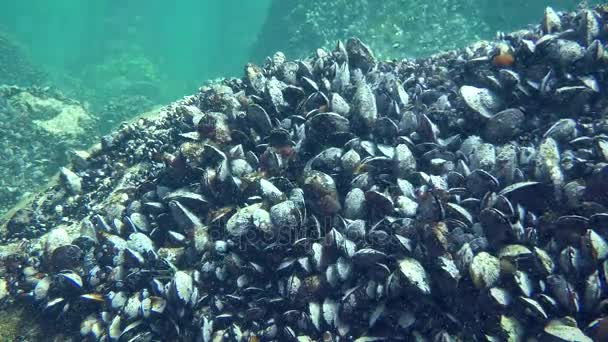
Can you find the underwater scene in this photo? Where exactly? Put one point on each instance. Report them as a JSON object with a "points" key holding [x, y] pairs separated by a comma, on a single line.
{"points": [[321, 170]]}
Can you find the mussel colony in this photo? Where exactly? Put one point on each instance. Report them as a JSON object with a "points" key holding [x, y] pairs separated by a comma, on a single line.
{"points": [[461, 197]]}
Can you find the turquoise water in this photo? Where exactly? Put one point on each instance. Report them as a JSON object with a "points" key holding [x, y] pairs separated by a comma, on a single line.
{"points": [[98, 51], [169, 48]]}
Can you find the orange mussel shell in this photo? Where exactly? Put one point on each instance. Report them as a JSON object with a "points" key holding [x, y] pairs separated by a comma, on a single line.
{"points": [[503, 59]]}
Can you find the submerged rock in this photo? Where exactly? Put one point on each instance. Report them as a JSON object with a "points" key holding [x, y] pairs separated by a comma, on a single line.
{"points": [[39, 126], [71, 181], [276, 218]]}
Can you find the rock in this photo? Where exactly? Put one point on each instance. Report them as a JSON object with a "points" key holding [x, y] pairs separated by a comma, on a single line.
{"points": [[54, 115], [79, 159], [72, 181]]}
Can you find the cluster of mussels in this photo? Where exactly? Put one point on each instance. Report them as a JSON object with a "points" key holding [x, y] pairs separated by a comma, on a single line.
{"points": [[461, 197]]}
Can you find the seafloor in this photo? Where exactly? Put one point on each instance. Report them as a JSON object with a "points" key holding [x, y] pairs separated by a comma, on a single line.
{"points": [[460, 197]]}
